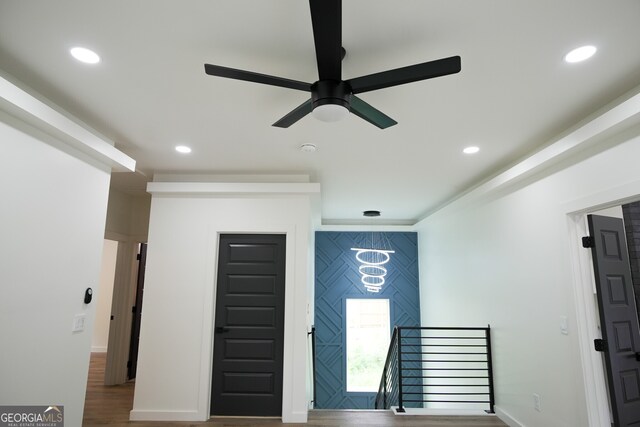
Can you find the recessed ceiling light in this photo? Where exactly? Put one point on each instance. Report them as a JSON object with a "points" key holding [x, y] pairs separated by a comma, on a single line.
{"points": [[85, 55], [308, 148], [371, 213], [580, 54], [183, 149], [471, 150]]}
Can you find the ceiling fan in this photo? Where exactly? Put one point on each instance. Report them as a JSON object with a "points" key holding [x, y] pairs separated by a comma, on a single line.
{"points": [[331, 97]]}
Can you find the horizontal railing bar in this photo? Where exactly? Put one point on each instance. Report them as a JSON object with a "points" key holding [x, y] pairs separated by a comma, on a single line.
{"points": [[449, 394], [443, 361], [443, 338], [446, 385], [449, 385], [447, 337], [445, 345], [429, 376], [443, 369], [446, 401], [438, 328], [442, 352], [420, 364]]}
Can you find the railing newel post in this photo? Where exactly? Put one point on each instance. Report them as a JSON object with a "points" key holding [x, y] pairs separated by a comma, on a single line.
{"points": [[490, 369], [400, 403]]}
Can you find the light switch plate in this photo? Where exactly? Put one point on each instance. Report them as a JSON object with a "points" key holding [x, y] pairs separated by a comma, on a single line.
{"points": [[78, 322], [564, 325]]}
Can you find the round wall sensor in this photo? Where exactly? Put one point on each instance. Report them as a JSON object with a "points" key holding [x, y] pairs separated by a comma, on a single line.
{"points": [[371, 213], [308, 148]]}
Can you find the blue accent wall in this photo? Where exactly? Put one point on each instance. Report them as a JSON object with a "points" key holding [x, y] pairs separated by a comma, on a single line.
{"points": [[337, 278]]}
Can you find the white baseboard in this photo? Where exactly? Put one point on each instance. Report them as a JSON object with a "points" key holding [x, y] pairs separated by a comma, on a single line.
{"points": [[506, 418], [148, 415], [98, 349], [295, 417]]}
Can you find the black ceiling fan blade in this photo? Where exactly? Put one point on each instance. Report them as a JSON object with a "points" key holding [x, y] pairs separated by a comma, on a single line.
{"points": [[370, 114], [412, 73], [295, 115], [250, 76], [326, 17]]}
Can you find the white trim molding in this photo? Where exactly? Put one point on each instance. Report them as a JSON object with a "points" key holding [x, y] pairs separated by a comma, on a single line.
{"points": [[19, 103], [231, 188], [143, 415], [595, 133], [507, 418]]}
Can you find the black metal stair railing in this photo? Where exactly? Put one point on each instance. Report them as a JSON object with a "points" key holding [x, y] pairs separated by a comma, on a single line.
{"points": [[428, 367], [388, 389], [312, 335]]}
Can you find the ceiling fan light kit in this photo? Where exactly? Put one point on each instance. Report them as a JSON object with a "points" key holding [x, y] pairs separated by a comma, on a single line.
{"points": [[330, 112], [330, 100], [331, 97]]}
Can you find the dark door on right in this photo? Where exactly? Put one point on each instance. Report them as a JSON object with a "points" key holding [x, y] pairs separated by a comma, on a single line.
{"points": [[249, 326], [618, 317]]}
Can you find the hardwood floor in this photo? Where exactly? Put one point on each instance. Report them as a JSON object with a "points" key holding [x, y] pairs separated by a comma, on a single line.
{"points": [[110, 406]]}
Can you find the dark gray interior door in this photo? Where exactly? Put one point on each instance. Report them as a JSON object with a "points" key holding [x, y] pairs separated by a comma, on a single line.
{"points": [[134, 343], [249, 326], [618, 318]]}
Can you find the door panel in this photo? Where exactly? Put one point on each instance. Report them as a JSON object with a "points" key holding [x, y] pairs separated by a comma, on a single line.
{"points": [[132, 365], [249, 325], [618, 317]]}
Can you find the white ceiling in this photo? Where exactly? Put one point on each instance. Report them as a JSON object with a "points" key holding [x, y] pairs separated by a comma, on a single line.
{"points": [[150, 92]]}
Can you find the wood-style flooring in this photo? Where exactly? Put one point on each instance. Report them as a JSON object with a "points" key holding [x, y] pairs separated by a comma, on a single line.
{"points": [[110, 406]]}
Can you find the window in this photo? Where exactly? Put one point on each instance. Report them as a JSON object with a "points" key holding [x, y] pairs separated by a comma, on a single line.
{"points": [[368, 330]]}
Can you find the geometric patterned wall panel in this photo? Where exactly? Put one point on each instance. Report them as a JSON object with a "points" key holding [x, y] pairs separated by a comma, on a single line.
{"points": [[337, 278]]}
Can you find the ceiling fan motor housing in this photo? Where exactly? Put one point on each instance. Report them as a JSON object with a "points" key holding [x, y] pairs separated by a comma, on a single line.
{"points": [[331, 92]]}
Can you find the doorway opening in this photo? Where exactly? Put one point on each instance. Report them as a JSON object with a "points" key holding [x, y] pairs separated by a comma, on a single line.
{"points": [[116, 331], [100, 337]]}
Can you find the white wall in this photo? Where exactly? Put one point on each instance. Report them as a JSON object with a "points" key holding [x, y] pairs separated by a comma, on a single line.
{"points": [[504, 259], [52, 217], [174, 365], [127, 216], [103, 295]]}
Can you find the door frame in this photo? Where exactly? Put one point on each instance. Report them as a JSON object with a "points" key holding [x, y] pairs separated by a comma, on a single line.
{"points": [[281, 239], [584, 292], [291, 313]]}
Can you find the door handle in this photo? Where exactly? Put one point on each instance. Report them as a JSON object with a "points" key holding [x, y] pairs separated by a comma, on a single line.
{"points": [[600, 344], [221, 330]]}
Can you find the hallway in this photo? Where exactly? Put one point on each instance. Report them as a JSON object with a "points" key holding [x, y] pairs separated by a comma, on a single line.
{"points": [[110, 406]]}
